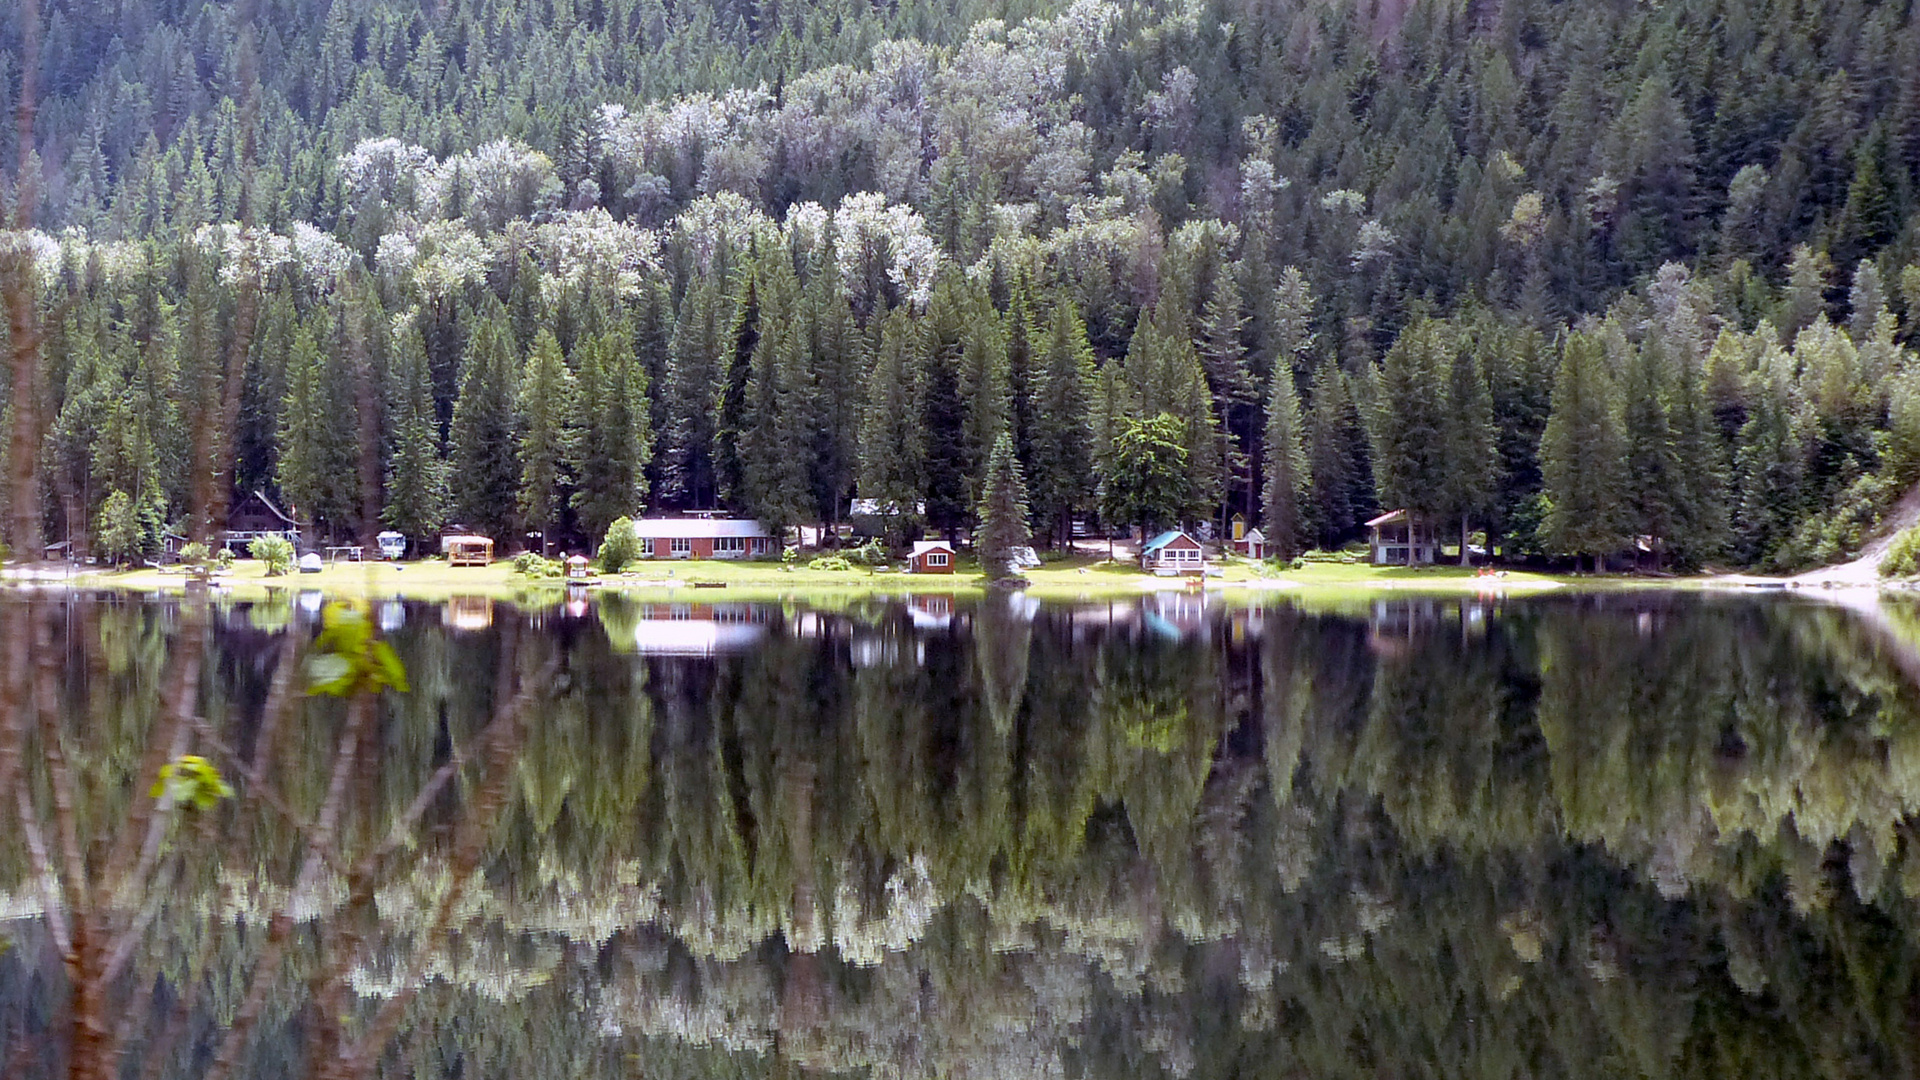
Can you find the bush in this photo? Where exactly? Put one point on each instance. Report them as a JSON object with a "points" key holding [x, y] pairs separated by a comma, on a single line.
{"points": [[535, 565], [194, 554], [829, 562], [621, 546], [223, 559], [868, 554], [1903, 558], [275, 551]]}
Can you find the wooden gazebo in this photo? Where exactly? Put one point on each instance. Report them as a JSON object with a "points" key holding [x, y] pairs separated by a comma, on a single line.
{"points": [[467, 550]]}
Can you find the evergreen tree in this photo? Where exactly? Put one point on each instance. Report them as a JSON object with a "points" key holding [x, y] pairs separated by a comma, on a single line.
{"points": [[947, 463], [1652, 468], [1164, 375], [1409, 429], [892, 438], [730, 406], [416, 474], [1002, 511], [317, 459], [834, 366], [610, 467], [694, 378], [774, 444], [985, 386], [1581, 452], [1025, 365], [1702, 474], [1220, 338], [1062, 443], [1336, 459], [1769, 465], [486, 476], [549, 424], [1472, 465], [1289, 482]]}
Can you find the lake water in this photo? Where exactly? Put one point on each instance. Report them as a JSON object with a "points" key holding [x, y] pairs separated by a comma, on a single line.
{"points": [[1616, 835]]}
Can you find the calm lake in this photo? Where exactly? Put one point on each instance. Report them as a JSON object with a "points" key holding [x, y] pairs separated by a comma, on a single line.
{"points": [[1629, 834]]}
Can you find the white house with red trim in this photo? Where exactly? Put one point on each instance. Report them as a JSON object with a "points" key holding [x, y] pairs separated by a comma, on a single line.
{"points": [[1173, 552]]}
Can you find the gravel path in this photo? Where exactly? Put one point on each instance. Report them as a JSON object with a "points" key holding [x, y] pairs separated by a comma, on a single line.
{"points": [[1865, 570]]}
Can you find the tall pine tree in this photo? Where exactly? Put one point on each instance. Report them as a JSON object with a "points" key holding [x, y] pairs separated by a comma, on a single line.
{"points": [[1581, 454], [610, 466], [1002, 511], [1284, 515], [549, 426], [486, 474], [416, 474]]}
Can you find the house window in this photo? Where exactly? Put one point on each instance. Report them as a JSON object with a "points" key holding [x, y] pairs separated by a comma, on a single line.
{"points": [[646, 547], [729, 545], [680, 545], [936, 558]]}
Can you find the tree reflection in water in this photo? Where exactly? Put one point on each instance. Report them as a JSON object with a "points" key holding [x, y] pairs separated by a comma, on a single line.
{"points": [[1627, 834]]}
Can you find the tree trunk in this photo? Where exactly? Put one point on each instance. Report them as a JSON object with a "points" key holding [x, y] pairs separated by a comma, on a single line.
{"points": [[1464, 560]]}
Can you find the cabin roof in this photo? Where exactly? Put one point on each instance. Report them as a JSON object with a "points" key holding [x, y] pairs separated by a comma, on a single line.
{"points": [[875, 508], [274, 510], [1387, 518], [1171, 536], [921, 547], [691, 528]]}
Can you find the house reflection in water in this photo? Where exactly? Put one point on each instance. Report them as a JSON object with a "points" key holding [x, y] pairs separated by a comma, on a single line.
{"points": [[464, 613], [699, 629], [1174, 615], [930, 612], [1394, 624]]}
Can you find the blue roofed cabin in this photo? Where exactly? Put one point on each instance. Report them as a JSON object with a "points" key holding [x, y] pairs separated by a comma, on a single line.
{"points": [[1173, 552], [1400, 539]]}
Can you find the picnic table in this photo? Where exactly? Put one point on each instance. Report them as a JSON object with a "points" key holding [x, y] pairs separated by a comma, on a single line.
{"points": [[351, 552]]}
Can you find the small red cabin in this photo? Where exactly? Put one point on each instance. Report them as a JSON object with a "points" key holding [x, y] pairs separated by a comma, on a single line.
{"points": [[931, 557]]}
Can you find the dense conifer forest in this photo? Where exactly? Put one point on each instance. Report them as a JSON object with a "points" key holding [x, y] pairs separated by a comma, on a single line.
{"points": [[1581, 275]]}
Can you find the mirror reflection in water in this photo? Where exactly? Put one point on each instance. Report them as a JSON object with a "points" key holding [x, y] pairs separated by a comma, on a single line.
{"points": [[1627, 834]]}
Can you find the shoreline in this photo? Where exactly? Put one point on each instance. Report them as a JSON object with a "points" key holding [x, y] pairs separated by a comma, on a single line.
{"points": [[717, 582]]}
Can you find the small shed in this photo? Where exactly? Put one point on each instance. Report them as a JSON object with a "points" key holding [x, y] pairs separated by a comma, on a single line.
{"points": [[392, 545], [578, 569], [466, 549], [1401, 539], [931, 557], [1173, 552], [1252, 544]]}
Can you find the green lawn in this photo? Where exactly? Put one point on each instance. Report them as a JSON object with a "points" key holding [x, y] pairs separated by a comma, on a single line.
{"points": [[1080, 576]]}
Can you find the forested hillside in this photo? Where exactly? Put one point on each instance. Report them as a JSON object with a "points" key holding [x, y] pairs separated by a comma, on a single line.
{"points": [[1579, 274]]}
